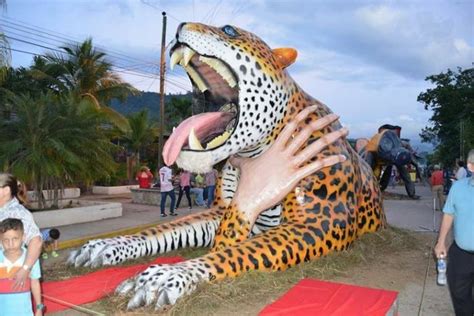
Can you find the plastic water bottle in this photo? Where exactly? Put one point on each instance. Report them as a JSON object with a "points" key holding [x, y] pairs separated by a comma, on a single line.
{"points": [[441, 266]]}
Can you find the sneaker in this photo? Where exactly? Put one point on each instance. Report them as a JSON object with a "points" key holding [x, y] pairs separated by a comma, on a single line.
{"points": [[163, 215], [54, 254], [190, 207], [45, 256], [173, 214]]}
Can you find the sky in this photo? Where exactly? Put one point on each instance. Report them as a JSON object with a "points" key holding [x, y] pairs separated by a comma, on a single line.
{"points": [[367, 60]]}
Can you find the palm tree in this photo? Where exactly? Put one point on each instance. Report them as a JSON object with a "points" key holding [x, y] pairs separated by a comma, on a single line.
{"points": [[140, 134], [86, 72], [54, 141]]}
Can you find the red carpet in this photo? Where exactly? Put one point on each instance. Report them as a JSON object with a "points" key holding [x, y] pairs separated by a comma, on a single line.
{"points": [[313, 297], [93, 286]]}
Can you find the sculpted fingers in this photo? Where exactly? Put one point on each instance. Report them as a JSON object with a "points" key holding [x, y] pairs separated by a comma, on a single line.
{"points": [[303, 135], [316, 147], [289, 129]]}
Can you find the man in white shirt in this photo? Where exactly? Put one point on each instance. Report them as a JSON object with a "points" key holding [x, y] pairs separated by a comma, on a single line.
{"points": [[166, 188], [461, 173]]}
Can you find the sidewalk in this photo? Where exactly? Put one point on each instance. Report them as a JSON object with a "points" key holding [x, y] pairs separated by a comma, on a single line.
{"points": [[415, 215], [135, 218]]}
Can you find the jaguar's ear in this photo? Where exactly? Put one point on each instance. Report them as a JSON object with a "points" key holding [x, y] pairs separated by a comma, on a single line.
{"points": [[285, 56]]}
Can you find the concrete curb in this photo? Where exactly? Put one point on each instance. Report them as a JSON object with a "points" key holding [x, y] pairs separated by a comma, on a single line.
{"points": [[71, 243]]}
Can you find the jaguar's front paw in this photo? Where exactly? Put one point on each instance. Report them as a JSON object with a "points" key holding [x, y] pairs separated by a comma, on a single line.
{"points": [[162, 285], [101, 252]]}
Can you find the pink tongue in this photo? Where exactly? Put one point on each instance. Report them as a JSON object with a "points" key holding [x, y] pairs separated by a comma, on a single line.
{"points": [[202, 124]]}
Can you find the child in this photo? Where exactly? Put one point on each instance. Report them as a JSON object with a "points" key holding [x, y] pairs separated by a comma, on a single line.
{"points": [[50, 241], [14, 301]]}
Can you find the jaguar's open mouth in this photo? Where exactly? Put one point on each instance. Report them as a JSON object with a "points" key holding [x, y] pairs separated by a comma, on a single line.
{"points": [[217, 84]]}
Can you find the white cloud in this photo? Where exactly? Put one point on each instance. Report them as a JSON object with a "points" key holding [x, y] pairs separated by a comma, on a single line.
{"points": [[379, 16], [366, 60], [406, 118], [364, 108]]}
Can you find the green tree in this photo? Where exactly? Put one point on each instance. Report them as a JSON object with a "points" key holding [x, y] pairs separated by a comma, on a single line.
{"points": [[140, 134], [54, 141], [452, 122], [85, 71], [176, 111]]}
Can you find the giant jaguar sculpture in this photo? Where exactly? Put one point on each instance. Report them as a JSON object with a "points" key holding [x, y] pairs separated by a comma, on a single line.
{"points": [[259, 108]]}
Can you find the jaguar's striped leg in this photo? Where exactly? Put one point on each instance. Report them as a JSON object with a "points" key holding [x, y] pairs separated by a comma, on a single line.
{"points": [[197, 230], [276, 249]]}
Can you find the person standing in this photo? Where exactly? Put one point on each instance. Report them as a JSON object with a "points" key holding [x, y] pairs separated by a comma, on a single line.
{"points": [[459, 213], [15, 302], [184, 186], [448, 179], [437, 181], [211, 178], [197, 189], [461, 173], [166, 188], [144, 177], [12, 198]]}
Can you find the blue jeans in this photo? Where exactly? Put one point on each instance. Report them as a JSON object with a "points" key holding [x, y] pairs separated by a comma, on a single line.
{"points": [[188, 196], [163, 201], [199, 199], [210, 194]]}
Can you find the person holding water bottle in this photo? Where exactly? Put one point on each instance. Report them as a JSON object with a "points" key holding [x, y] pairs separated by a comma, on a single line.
{"points": [[459, 214]]}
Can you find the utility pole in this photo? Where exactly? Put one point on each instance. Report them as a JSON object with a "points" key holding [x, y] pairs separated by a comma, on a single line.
{"points": [[461, 140], [162, 92]]}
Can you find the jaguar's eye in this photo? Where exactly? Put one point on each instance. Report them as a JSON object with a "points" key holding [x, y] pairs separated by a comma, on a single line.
{"points": [[229, 30]]}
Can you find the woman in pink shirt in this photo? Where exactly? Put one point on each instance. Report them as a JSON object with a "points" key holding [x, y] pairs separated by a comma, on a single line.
{"points": [[184, 185]]}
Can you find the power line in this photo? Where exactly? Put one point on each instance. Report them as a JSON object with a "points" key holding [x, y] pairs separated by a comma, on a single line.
{"points": [[156, 8], [51, 37], [111, 57], [35, 30], [211, 12], [168, 81], [39, 45], [56, 40], [20, 51], [64, 52], [134, 73], [62, 36]]}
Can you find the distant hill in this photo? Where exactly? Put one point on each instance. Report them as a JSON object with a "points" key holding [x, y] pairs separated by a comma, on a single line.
{"points": [[145, 100]]}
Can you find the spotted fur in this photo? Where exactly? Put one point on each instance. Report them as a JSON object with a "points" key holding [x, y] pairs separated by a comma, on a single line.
{"points": [[339, 203]]}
